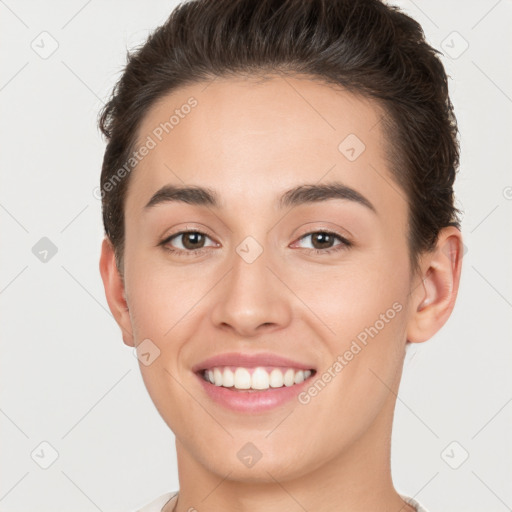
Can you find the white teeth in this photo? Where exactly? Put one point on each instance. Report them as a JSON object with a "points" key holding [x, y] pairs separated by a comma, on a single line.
{"points": [[217, 377], [260, 379], [228, 378], [242, 379], [276, 378], [289, 378], [299, 377]]}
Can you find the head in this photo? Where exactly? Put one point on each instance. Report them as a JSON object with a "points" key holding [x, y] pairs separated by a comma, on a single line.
{"points": [[282, 120]]}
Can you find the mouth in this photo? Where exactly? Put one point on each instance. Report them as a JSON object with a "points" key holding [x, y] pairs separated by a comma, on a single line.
{"points": [[255, 379], [252, 383]]}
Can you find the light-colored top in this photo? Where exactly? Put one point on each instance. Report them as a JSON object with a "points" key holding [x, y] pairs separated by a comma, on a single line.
{"points": [[158, 504], [414, 503]]}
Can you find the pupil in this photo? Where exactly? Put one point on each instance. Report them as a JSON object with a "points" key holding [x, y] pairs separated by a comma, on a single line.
{"points": [[323, 238], [193, 245]]}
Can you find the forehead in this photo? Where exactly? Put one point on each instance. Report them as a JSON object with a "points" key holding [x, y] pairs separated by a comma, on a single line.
{"points": [[255, 138]]}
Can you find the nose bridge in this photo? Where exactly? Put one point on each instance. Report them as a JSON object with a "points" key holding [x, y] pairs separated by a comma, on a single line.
{"points": [[250, 274], [251, 295]]}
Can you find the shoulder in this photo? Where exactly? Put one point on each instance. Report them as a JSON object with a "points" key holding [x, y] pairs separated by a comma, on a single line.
{"points": [[414, 503], [157, 504]]}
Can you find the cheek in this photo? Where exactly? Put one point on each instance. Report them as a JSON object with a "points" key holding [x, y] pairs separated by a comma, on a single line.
{"points": [[159, 296], [363, 354], [161, 302], [362, 312], [352, 296]]}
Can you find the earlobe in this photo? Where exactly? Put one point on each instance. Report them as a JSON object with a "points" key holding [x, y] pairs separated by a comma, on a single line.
{"points": [[114, 291], [434, 296]]}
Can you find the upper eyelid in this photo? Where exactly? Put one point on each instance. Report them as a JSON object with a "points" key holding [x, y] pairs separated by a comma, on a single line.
{"points": [[186, 230], [324, 230]]}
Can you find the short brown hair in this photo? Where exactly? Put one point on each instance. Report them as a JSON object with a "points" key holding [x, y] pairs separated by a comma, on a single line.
{"points": [[363, 46]]}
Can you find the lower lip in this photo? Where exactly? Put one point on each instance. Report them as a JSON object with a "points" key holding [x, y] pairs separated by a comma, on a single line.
{"points": [[252, 401]]}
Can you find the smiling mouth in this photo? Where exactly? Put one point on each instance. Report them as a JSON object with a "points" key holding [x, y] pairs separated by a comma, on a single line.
{"points": [[260, 378]]}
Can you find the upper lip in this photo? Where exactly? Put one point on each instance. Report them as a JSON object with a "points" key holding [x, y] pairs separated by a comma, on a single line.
{"points": [[249, 361]]}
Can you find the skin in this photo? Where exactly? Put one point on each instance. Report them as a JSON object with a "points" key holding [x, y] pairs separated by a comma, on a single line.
{"points": [[251, 141]]}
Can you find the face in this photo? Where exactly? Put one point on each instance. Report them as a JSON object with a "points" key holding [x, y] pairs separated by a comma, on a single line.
{"points": [[321, 279]]}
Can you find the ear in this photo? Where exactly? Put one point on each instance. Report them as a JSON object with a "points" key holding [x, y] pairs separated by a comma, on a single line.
{"points": [[435, 292], [114, 291]]}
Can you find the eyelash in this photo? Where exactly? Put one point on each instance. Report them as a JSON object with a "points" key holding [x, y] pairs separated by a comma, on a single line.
{"points": [[345, 244]]}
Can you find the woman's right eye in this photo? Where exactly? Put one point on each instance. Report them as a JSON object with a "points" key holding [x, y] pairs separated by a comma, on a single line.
{"points": [[189, 243]]}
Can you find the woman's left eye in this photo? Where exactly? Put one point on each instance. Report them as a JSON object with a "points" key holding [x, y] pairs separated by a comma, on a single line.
{"points": [[322, 242]]}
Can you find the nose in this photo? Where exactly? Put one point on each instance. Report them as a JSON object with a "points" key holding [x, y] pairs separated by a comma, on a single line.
{"points": [[252, 299]]}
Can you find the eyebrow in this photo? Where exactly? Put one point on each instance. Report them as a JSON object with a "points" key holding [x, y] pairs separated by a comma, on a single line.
{"points": [[302, 194]]}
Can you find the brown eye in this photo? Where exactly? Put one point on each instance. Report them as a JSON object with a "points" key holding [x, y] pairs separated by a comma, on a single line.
{"points": [[192, 240], [186, 243], [324, 242]]}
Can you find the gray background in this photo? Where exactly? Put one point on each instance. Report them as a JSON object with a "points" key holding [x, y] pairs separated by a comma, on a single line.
{"points": [[69, 381]]}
